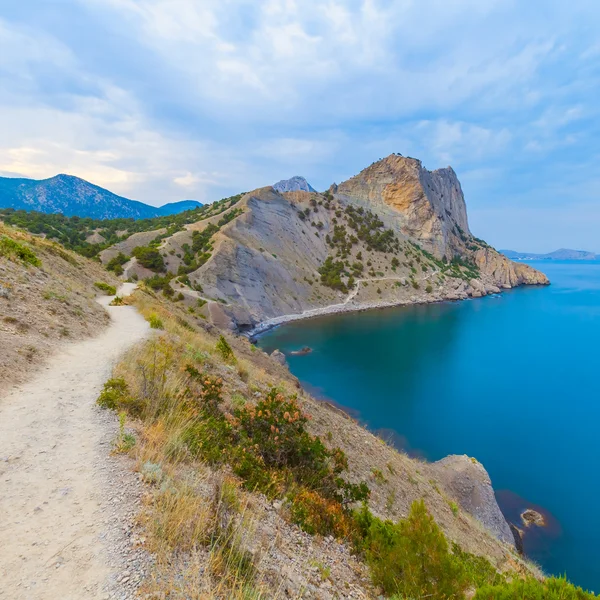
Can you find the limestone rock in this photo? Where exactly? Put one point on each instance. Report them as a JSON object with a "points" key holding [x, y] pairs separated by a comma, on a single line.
{"points": [[466, 480], [279, 357], [295, 184]]}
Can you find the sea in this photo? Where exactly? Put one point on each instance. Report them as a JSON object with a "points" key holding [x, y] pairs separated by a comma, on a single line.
{"points": [[512, 379]]}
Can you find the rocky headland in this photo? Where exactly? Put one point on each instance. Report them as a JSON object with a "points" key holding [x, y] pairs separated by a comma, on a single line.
{"points": [[394, 234]]}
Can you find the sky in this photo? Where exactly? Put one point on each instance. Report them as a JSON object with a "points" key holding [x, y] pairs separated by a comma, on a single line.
{"points": [[164, 100]]}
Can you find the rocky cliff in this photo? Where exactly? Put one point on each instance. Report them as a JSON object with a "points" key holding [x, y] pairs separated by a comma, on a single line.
{"points": [[395, 233]]}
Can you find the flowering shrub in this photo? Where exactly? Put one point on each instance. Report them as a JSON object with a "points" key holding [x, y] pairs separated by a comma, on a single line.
{"points": [[267, 445]]}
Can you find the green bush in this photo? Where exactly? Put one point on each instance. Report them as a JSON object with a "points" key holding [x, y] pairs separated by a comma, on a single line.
{"points": [[410, 558], [532, 589], [224, 349], [155, 322], [14, 250], [113, 393], [109, 290], [115, 396], [116, 263], [149, 257]]}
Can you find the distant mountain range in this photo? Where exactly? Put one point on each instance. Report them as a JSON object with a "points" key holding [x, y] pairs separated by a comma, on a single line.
{"points": [[295, 184], [562, 254], [73, 196]]}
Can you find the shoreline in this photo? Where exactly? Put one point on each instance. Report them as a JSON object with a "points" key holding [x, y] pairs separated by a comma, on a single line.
{"points": [[333, 309]]}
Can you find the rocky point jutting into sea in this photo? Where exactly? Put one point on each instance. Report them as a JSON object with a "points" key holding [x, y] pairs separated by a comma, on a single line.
{"points": [[394, 234]]}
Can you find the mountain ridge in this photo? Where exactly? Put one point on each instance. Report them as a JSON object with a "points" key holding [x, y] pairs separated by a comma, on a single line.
{"points": [[74, 196], [560, 254], [294, 184], [394, 234]]}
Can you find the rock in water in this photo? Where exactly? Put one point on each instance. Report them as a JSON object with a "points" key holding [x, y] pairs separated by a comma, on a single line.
{"points": [[532, 517], [302, 352]]}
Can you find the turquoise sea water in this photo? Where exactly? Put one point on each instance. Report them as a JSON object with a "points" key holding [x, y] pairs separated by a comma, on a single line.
{"points": [[513, 380]]}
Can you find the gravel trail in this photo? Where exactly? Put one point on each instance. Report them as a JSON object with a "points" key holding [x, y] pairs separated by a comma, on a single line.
{"points": [[66, 504]]}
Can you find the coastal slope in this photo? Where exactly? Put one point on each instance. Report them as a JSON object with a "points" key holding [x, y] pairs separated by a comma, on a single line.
{"points": [[395, 233]]}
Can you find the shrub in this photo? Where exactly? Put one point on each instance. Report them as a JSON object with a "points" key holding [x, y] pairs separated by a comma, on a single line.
{"points": [[149, 258], [116, 263], [532, 589], [411, 558], [155, 321], [117, 301], [12, 249], [157, 283], [429, 288], [113, 393], [115, 396], [109, 290], [318, 515], [224, 349]]}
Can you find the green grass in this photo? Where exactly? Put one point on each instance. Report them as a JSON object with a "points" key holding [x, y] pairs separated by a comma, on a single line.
{"points": [[109, 290], [155, 322], [14, 250]]}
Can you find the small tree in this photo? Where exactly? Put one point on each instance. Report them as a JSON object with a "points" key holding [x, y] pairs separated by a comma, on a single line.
{"points": [[224, 349], [411, 558]]}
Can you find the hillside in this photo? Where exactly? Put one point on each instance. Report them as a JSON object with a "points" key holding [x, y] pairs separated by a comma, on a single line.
{"points": [[47, 299], [562, 254], [73, 196], [394, 234], [252, 488]]}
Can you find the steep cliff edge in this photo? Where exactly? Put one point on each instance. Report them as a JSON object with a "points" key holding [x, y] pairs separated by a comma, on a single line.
{"points": [[395, 233]]}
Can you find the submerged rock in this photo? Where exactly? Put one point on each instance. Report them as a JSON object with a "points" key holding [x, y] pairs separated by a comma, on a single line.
{"points": [[302, 351], [532, 517]]}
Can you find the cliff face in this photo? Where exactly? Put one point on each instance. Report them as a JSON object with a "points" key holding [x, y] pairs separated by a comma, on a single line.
{"points": [[395, 233], [423, 205]]}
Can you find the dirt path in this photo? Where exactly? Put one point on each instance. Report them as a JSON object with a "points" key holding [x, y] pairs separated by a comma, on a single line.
{"points": [[65, 505]]}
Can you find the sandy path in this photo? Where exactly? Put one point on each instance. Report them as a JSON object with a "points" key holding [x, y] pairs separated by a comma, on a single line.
{"points": [[57, 483]]}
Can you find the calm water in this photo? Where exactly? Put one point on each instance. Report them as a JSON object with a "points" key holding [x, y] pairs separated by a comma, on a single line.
{"points": [[512, 380]]}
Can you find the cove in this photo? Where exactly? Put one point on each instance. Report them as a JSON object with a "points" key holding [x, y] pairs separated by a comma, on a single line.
{"points": [[511, 379]]}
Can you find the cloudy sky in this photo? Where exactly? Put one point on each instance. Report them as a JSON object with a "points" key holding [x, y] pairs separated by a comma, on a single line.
{"points": [[161, 100]]}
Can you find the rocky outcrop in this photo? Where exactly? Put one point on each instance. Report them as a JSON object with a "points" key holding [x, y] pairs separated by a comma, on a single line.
{"points": [[466, 480], [295, 184], [505, 273], [394, 234], [427, 206]]}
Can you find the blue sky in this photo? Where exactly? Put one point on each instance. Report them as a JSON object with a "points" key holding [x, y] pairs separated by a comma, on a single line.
{"points": [[161, 100]]}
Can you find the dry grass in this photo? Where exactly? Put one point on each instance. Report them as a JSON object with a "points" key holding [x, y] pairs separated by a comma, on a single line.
{"points": [[201, 527]]}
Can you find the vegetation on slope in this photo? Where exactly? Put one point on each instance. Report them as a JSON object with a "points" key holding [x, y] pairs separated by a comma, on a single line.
{"points": [[72, 232], [210, 406], [47, 297]]}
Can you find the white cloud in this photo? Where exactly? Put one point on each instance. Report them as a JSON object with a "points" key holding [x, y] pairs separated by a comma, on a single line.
{"points": [[174, 96]]}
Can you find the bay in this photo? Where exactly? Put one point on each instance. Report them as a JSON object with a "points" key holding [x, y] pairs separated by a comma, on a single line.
{"points": [[511, 379]]}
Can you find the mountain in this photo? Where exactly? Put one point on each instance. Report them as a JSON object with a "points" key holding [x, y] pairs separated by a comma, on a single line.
{"points": [[295, 184], [562, 254], [73, 196], [174, 208], [395, 233]]}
